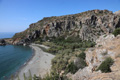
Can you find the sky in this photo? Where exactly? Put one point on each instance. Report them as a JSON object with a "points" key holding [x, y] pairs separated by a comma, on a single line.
{"points": [[17, 15]]}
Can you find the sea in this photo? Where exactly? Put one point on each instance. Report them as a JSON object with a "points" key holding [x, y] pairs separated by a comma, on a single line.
{"points": [[13, 58], [6, 34]]}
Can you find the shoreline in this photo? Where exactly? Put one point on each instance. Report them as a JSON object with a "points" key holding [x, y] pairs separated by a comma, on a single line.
{"points": [[39, 61], [16, 72], [15, 75]]}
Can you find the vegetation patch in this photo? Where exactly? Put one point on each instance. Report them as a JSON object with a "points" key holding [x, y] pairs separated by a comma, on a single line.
{"points": [[116, 32], [44, 49], [82, 55], [72, 68], [65, 50], [105, 65]]}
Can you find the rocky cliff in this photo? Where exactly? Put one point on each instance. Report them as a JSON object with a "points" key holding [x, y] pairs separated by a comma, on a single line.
{"points": [[87, 25]]}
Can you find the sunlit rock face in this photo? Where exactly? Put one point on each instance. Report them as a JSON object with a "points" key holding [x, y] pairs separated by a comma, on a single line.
{"points": [[117, 12], [87, 25]]}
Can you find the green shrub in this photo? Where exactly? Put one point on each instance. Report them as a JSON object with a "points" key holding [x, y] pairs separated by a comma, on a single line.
{"points": [[36, 78], [30, 75], [54, 76], [55, 40], [71, 68], [105, 65], [51, 77], [82, 55], [82, 62], [116, 32], [73, 39], [24, 76], [52, 50]]}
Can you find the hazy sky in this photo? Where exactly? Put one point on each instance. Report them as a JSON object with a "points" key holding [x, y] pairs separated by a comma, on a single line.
{"points": [[16, 15]]}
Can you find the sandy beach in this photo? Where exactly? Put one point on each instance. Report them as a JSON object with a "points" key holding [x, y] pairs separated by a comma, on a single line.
{"points": [[40, 64]]}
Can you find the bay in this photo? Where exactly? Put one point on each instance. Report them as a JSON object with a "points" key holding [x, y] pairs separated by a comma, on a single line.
{"points": [[12, 57]]}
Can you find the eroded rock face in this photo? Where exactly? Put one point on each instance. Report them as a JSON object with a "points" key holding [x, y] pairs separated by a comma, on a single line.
{"points": [[87, 25], [2, 42], [27, 39]]}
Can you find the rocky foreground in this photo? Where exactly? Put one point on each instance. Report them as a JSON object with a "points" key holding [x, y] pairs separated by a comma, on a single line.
{"points": [[107, 46]]}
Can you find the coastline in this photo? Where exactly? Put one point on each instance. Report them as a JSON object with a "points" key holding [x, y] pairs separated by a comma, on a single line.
{"points": [[15, 75], [13, 72], [39, 63]]}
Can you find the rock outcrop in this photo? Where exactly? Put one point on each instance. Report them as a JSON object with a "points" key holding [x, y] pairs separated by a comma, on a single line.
{"points": [[117, 12], [87, 25], [2, 42], [107, 46]]}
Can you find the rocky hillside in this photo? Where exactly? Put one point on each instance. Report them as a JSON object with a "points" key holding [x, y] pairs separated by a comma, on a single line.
{"points": [[87, 25], [107, 46]]}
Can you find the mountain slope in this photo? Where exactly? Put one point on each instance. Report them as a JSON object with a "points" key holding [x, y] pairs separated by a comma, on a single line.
{"points": [[87, 25]]}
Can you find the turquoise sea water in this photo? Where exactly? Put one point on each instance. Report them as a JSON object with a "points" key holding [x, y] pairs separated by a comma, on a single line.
{"points": [[12, 58]]}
